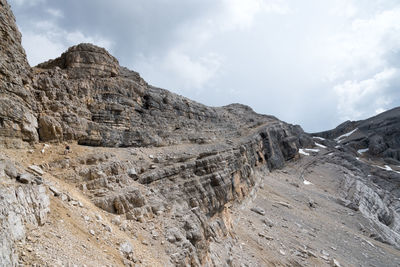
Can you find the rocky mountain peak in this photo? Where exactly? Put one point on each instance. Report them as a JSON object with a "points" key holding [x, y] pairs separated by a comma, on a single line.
{"points": [[85, 60]]}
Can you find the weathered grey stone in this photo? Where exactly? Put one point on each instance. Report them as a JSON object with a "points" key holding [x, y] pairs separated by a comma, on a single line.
{"points": [[55, 191], [126, 247], [25, 178], [36, 169], [258, 210], [19, 205]]}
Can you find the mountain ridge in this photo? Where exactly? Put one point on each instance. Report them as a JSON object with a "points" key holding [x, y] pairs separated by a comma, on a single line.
{"points": [[174, 179]]}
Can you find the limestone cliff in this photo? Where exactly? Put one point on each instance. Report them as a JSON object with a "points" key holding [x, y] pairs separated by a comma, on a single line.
{"points": [[17, 118]]}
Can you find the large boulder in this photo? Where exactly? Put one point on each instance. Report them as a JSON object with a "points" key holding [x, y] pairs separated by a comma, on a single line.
{"points": [[50, 129]]}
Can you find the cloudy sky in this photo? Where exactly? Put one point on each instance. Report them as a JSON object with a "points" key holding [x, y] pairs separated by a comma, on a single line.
{"points": [[311, 62]]}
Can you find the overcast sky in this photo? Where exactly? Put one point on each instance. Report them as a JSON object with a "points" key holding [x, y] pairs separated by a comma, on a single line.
{"points": [[312, 62]]}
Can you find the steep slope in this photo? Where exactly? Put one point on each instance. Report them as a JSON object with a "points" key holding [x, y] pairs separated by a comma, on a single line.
{"points": [[369, 148]]}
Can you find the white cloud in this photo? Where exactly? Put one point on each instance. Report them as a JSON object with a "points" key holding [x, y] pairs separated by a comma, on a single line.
{"points": [[193, 72], [27, 2], [55, 12], [45, 40], [241, 14], [356, 99], [180, 71], [344, 8], [363, 48]]}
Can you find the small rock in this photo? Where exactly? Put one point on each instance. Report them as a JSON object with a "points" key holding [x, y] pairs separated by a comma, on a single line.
{"points": [[38, 180], [287, 205], [132, 173], [282, 252], [98, 217], [64, 197], [153, 166], [335, 263], [74, 203], [312, 203], [25, 178], [55, 191], [324, 257], [171, 239], [91, 231], [126, 247], [265, 236], [36, 169], [268, 222], [258, 210], [11, 171], [310, 253], [323, 252], [116, 220], [145, 242], [108, 228], [86, 218], [151, 156]]}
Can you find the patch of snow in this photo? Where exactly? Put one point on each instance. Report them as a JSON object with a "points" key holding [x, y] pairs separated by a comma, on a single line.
{"points": [[360, 151], [320, 145], [330, 154], [301, 151], [337, 147], [357, 158], [343, 136], [312, 150], [319, 138], [307, 182], [387, 168]]}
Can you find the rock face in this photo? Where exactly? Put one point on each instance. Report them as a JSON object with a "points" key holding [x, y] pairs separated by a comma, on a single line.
{"points": [[367, 148], [19, 204], [85, 60], [88, 97], [17, 120], [379, 136]]}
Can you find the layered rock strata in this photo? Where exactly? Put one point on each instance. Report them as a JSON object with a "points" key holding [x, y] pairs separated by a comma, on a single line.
{"points": [[378, 136], [18, 121]]}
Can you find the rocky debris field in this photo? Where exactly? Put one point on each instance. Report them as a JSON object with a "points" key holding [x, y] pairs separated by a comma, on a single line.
{"points": [[296, 216]]}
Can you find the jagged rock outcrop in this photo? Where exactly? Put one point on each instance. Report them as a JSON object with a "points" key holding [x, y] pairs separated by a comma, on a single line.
{"points": [[17, 119], [19, 204], [379, 136], [99, 103], [369, 184]]}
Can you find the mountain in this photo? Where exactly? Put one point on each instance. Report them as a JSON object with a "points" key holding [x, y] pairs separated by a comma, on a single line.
{"points": [[379, 136], [152, 178]]}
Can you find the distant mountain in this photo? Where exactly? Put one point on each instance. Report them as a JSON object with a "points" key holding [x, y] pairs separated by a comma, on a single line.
{"points": [[378, 136]]}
